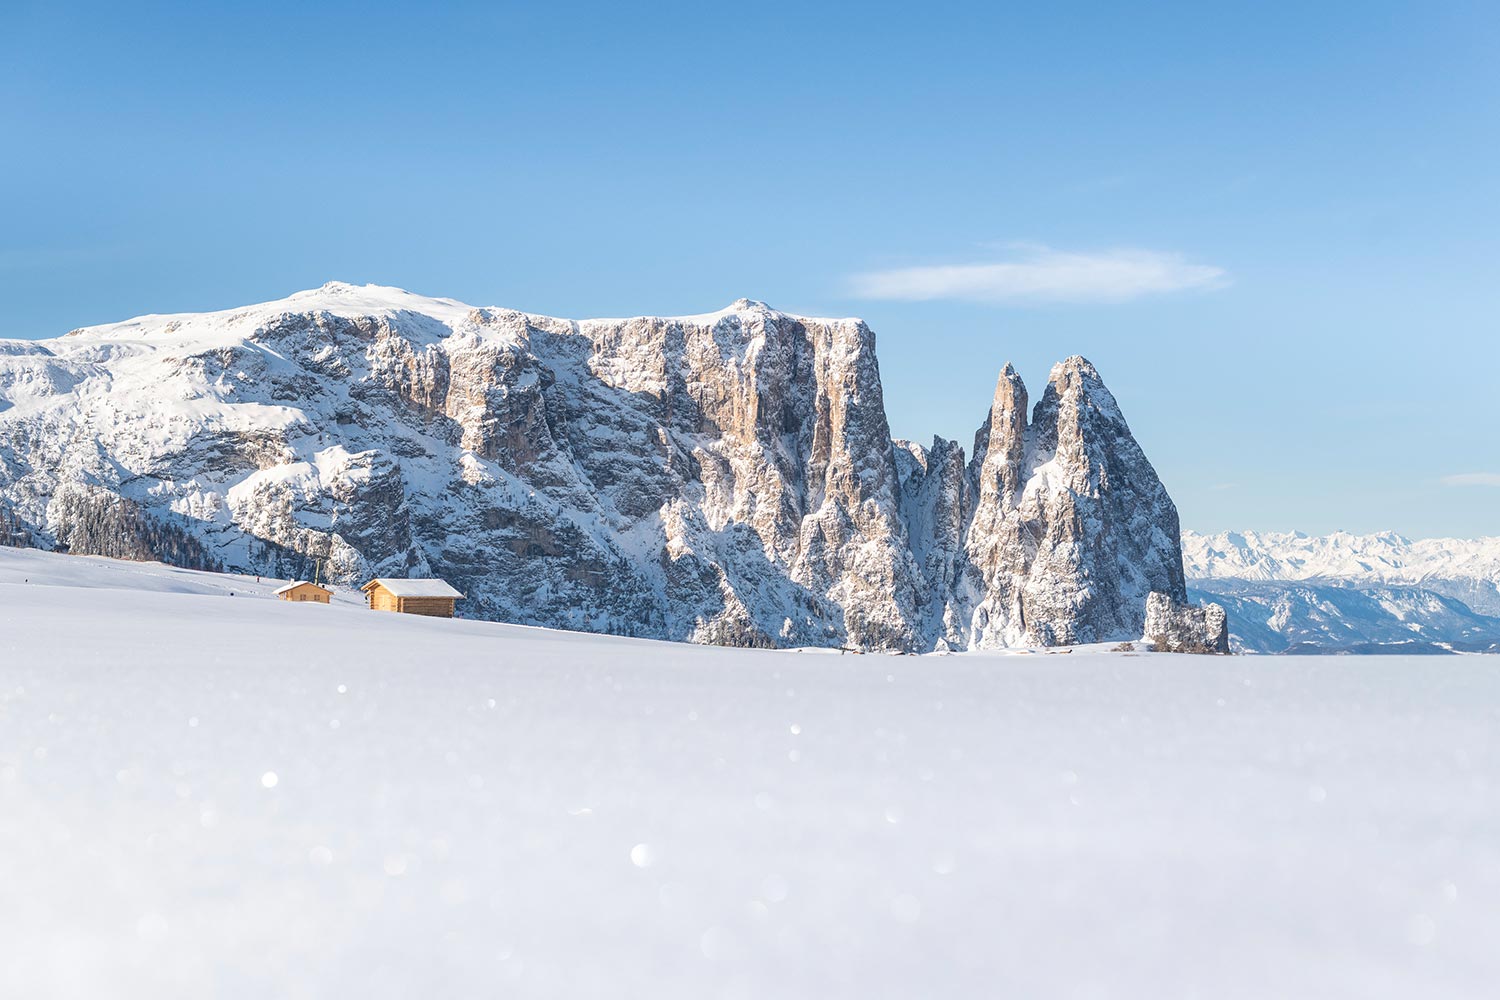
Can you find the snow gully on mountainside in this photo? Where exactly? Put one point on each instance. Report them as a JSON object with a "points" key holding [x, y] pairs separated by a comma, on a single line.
{"points": [[726, 478]]}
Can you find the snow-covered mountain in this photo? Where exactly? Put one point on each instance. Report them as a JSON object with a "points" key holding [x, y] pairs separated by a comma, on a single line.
{"points": [[725, 478], [1343, 591], [1300, 617], [1470, 565]]}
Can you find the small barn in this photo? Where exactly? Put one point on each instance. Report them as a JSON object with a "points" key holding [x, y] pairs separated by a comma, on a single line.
{"points": [[434, 598], [301, 590]]}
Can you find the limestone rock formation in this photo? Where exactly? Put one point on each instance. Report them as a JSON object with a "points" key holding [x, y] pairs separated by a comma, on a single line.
{"points": [[724, 478], [1175, 627]]}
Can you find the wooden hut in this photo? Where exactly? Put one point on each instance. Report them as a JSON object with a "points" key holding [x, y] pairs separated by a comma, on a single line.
{"points": [[301, 590], [434, 598]]}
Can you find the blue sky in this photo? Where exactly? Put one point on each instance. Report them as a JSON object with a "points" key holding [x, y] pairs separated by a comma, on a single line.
{"points": [[1274, 227]]}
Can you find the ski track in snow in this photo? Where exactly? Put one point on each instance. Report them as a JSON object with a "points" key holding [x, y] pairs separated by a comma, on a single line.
{"points": [[236, 797]]}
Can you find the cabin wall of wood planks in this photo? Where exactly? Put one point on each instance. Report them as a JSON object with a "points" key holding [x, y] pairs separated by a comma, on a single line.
{"points": [[383, 600], [435, 607]]}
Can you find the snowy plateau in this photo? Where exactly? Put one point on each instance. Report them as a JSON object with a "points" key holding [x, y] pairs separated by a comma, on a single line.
{"points": [[1380, 593], [236, 797], [728, 478]]}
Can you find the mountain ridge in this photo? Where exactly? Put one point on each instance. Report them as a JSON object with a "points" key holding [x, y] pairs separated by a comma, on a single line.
{"points": [[1464, 568], [1341, 592]]}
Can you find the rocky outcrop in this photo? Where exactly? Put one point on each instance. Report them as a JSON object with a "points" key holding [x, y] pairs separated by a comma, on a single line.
{"points": [[724, 478], [1173, 626]]}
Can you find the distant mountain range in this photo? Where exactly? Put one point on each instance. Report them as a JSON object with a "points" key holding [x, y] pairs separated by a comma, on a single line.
{"points": [[1290, 592]]}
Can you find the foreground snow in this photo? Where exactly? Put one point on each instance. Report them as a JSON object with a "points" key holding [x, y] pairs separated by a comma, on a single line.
{"points": [[236, 797]]}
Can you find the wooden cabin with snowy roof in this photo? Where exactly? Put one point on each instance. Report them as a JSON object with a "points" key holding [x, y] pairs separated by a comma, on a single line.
{"points": [[434, 598], [302, 590]]}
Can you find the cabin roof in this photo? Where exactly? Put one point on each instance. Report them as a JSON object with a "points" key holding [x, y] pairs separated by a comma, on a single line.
{"points": [[300, 583], [413, 588]]}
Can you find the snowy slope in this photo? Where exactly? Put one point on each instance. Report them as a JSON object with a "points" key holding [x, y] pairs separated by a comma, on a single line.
{"points": [[46, 569], [236, 797]]}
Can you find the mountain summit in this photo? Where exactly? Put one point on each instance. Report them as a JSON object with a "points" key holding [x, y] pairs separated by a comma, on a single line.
{"points": [[727, 477]]}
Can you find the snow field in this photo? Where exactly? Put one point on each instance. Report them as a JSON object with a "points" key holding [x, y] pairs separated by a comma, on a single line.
{"points": [[236, 797]]}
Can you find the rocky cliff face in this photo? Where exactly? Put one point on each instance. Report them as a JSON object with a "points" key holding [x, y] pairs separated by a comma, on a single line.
{"points": [[722, 478]]}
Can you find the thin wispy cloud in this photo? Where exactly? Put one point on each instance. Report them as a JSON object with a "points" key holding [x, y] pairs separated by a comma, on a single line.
{"points": [[1044, 275], [1472, 479]]}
